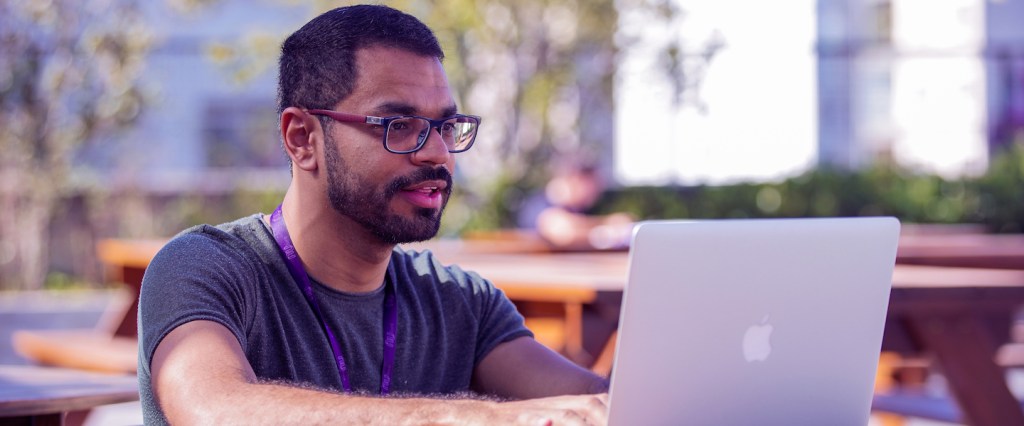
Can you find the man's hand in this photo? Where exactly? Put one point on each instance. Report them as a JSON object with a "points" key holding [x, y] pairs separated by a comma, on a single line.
{"points": [[552, 411]]}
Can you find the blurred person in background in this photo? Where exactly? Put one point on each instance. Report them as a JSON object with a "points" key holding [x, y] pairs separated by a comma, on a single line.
{"points": [[562, 214]]}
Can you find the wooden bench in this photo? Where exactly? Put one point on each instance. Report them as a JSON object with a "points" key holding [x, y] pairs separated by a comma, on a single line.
{"points": [[79, 349], [911, 404], [111, 346]]}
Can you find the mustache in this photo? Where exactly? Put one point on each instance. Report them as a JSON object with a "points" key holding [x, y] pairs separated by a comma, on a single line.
{"points": [[424, 174]]}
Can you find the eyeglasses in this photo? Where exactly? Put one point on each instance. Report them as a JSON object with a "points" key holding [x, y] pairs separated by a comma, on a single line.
{"points": [[403, 134]]}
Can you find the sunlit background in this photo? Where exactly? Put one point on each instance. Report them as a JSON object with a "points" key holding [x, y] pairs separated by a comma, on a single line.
{"points": [[798, 84]]}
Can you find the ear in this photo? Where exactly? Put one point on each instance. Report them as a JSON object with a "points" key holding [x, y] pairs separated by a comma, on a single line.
{"points": [[299, 134]]}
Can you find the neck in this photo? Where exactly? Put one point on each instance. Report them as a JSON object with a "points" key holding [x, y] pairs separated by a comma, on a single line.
{"points": [[335, 251]]}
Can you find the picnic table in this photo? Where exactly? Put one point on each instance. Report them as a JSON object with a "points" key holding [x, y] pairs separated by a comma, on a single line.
{"points": [[43, 396], [971, 250]]}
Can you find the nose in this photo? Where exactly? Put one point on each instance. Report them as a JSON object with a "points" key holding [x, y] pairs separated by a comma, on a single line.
{"points": [[434, 150]]}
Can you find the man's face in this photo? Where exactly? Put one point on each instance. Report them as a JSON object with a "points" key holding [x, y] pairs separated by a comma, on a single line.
{"points": [[397, 197]]}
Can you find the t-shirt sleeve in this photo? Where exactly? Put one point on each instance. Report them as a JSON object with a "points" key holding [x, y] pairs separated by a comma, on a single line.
{"points": [[497, 319], [196, 276], [500, 321]]}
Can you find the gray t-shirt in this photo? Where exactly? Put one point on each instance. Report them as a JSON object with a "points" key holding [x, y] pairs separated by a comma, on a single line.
{"points": [[234, 274]]}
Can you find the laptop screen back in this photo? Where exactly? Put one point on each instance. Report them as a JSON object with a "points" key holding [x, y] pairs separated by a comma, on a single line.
{"points": [[740, 322]]}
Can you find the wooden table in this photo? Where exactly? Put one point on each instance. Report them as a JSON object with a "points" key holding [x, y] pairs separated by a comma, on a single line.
{"points": [[42, 396], [972, 250]]}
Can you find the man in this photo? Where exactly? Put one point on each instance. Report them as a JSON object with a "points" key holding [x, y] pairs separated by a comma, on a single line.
{"points": [[311, 314]]}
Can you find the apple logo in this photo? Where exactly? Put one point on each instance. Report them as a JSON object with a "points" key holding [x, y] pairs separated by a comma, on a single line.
{"points": [[757, 341]]}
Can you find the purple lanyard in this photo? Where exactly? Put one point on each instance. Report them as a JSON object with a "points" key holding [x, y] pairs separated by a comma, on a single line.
{"points": [[284, 241]]}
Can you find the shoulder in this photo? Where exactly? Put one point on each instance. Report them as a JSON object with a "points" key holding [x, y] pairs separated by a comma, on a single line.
{"points": [[237, 234], [206, 272], [423, 268], [232, 243]]}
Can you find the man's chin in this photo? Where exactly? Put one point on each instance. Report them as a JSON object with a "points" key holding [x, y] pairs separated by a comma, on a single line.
{"points": [[403, 230], [426, 231], [405, 238]]}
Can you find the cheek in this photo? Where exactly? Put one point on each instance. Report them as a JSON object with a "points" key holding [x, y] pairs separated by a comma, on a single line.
{"points": [[374, 171], [355, 157]]}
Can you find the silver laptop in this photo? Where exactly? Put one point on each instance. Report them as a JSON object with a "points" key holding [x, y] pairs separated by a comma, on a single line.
{"points": [[753, 322]]}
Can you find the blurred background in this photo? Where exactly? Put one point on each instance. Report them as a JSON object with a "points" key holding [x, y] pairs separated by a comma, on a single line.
{"points": [[133, 120], [138, 119]]}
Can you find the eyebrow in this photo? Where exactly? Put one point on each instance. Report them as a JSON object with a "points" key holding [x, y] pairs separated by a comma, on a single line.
{"points": [[396, 108]]}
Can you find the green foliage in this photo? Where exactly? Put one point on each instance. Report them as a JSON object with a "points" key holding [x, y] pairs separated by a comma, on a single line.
{"points": [[995, 199], [62, 281], [193, 209], [1001, 191]]}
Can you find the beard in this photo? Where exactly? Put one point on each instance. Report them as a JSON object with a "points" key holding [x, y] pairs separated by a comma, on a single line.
{"points": [[369, 205]]}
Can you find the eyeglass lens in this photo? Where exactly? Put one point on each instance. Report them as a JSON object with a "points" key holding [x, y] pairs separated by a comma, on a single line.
{"points": [[409, 133]]}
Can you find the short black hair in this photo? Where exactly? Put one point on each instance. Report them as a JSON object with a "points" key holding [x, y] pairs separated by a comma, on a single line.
{"points": [[317, 68]]}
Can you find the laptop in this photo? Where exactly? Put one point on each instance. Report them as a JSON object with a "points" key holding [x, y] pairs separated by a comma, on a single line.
{"points": [[752, 322]]}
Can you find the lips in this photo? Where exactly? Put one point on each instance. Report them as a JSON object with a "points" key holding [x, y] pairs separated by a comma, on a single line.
{"points": [[427, 194], [427, 186]]}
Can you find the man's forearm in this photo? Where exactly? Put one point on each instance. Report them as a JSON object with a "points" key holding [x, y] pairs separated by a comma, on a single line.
{"points": [[200, 376], [275, 403]]}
